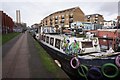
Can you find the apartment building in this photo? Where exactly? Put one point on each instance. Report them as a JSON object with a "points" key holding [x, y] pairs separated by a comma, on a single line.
{"points": [[63, 18], [95, 18], [109, 24]]}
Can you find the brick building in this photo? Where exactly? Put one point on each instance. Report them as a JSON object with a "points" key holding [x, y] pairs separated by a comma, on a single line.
{"points": [[95, 18], [118, 20], [7, 23], [63, 18]]}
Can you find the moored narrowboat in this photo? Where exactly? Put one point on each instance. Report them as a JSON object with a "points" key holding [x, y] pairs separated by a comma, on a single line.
{"points": [[80, 56]]}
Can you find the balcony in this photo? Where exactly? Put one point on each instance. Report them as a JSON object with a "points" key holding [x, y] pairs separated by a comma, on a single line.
{"points": [[70, 21], [70, 16], [96, 16], [56, 18], [50, 19], [62, 16], [46, 22], [56, 22], [62, 21], [50, 23], [96, 19], [62, 24], [88, 20], [88, 17]]}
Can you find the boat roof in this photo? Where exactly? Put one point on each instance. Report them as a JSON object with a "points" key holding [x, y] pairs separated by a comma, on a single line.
{"points": [[62, 36], [111, 30]]}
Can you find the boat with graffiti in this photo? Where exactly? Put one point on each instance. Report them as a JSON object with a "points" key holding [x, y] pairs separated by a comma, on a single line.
{"points": [[80, 55]]}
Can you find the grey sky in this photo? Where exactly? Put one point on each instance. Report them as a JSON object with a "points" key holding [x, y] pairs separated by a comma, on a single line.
{"points": [[34, 12]]}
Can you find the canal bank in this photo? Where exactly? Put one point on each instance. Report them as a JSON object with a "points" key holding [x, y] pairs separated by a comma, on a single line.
{"points": [[47, 63], [23, 61]]}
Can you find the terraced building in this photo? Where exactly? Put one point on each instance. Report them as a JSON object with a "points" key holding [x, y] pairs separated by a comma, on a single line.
{"points": [[63, 18]]}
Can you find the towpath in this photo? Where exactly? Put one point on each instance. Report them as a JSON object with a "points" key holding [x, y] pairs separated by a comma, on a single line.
{"points": [[20, 60]]}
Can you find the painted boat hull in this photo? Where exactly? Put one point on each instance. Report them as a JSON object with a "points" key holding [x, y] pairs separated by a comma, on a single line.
{"points": [[64, 60]]}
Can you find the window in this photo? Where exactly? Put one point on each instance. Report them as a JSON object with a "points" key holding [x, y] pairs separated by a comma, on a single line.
{"points": [[62, 16], [43, 38], [51, 41], [57, 43], [56, 20], [88, 17], [56, 17], [87, 44], [96, 15], [47, 39]]}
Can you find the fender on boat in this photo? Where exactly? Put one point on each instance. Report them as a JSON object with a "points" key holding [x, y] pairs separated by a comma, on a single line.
{"points": [[82, 70], [94, 73], [117, 60], [110, 70], [77, 62]]}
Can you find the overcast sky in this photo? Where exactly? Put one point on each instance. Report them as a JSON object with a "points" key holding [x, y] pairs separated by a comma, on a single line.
{"points": [[34, 11]]}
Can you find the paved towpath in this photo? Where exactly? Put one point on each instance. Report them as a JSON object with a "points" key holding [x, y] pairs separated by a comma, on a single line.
{"points": [[21, 60]]}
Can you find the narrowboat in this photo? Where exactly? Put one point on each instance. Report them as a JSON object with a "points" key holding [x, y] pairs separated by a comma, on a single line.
{"points": [[80, 56]]}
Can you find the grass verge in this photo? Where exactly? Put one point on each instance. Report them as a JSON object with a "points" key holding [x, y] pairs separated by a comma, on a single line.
{"points": [[49, 63], [8, 37], [46, 59]]}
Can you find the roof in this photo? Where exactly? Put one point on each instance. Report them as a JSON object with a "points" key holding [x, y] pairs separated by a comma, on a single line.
{"points": [[111, 30], [93, 15], [64, 11]]}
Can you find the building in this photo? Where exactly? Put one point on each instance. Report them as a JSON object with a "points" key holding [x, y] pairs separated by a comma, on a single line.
{"points": [[19, 25], [35, 25], [118, 20], [18, 16], [94, 18], [109, 24], [63, 18], [7, 23], [109, 38]]}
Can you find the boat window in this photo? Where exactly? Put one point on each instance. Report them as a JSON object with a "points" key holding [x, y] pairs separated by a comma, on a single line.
{"points": [[57, 43], [47, 39], [43, 38], [86, 44], [51, 41]]}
